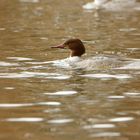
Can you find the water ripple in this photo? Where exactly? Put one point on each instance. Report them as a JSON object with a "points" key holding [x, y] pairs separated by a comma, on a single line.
{"points": [[34, 74], [49, 103], [106, 134], [54, 110], [116, 97], [133, 49], [32, 1], [121, 119], [63, 93], [9, 88], [20, 58], [14, 75], [99, 126], [2, 29], [60, 121], [107, 76], [30, 119], [132, 94], [39, 63], [15, 105], [135, 64], [6, 64], [127, 29]]}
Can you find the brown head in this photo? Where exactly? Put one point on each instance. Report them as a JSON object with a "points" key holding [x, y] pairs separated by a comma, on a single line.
{"points": [[75, 45]]}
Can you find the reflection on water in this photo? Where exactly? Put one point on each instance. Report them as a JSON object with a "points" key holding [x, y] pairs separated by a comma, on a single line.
{"points": [[131, 94], [42, 101], [107, 76], [60, 121], [63, 93], [34, 74], [20, 58], [32, 1], [29, 104], [24, 119], [100, 126], [7, 64], [122, 119]]}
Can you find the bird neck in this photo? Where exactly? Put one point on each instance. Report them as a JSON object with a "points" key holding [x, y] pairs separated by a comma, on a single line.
{"points": [[75, 53]]}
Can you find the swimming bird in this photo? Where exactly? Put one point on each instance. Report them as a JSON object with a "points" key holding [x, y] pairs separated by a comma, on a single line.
{"points": [[77, 49], [75, 45]]}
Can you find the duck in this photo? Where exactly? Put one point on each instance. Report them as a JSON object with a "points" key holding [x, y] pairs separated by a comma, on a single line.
{"points": [[75, 60], [77, 49], [113, 5]]}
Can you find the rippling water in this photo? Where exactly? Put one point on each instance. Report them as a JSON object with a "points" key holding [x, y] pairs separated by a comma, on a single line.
{"points": [[40, 101]]}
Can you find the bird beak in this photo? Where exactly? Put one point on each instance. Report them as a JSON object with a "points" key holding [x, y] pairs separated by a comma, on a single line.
{"points": [[61, 46]]}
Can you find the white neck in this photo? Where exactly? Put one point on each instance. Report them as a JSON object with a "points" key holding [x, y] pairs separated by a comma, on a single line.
{"points": [[74, 58]]}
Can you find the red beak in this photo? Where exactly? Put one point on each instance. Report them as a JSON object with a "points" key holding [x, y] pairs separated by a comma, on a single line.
{"points": [[61, 46]]}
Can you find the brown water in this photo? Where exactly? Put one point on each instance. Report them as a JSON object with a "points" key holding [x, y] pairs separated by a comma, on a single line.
{"points": [[43, 102]]}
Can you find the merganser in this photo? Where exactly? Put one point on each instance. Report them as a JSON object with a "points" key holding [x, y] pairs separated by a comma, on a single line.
{"points": [[75, 45], [113, 5], [77, 49]]}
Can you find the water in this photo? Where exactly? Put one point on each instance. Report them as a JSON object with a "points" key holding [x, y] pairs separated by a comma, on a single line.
{"points": [[40, 101]]}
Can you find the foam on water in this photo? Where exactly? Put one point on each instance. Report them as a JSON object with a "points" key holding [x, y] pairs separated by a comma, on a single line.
{"points": [[133, 65], [7, 64]]}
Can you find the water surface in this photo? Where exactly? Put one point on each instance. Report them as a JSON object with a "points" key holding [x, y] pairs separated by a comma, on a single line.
{"points": [[40, 101]]}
